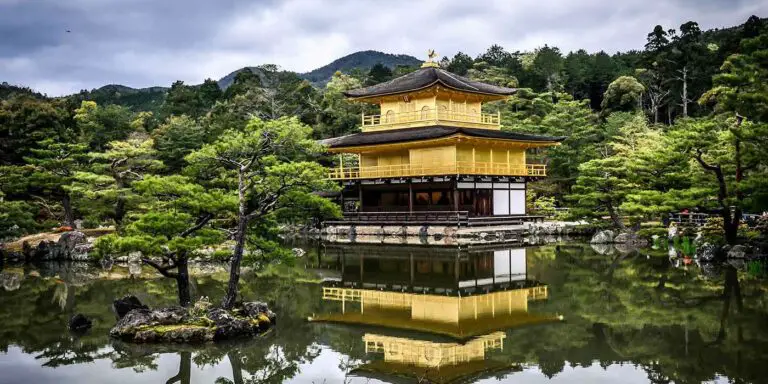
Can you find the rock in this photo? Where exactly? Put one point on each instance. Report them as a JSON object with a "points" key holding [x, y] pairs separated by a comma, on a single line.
{"points": [[602, 237], [134, 257], [737, 252], [603, 249], [134, 268], [69, 240], [79, 323], [126, 304], [707, 252], [170, 315], [298, 252], [107, 263], [176, 325], [11, 281], [132, 320], [255, 309]]}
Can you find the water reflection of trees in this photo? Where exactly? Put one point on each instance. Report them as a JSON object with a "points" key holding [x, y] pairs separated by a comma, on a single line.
{"points": [[640, 310], [35, 318], [677, 324]]}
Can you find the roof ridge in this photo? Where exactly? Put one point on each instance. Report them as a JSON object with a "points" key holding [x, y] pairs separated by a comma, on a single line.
{"points": [[453, 76]]}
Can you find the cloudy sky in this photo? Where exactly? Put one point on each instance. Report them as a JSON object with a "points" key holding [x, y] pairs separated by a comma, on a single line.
{"points": [[142, 43]]}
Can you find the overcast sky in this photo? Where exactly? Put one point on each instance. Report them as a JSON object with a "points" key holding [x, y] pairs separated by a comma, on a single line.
{"points": [[142, 43]]}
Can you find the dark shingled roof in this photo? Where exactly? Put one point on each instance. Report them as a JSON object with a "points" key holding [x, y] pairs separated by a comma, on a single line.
{"points": [[427, 133], [426, 77]]}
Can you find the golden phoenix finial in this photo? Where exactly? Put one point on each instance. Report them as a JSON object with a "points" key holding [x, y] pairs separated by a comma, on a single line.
{"points": [[431, 55]]}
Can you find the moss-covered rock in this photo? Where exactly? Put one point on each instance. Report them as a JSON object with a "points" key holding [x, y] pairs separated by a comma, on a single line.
{"points": [[180, 325]]}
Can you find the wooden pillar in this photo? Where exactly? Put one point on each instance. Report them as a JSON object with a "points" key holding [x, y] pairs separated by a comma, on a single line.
{"points": [[456, 266], [508, 166], [360, 196], [456, 196], [410, 196], [410, 267]]}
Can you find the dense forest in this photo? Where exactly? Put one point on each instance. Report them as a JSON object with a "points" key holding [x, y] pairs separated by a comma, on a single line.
{"points": [[681, 124]]}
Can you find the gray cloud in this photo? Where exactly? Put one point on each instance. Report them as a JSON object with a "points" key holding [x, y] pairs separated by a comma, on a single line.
{"points": [[149, 42]]}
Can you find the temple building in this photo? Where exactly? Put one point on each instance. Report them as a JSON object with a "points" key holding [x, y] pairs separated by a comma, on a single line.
{"points": [[431, 148]]}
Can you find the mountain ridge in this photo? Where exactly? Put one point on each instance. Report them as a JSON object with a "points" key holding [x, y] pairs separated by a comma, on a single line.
{"points": [[362, 60]]}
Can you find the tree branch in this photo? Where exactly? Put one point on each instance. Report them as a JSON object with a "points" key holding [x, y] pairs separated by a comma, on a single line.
{"points": [[162, 269], [201, 222]]}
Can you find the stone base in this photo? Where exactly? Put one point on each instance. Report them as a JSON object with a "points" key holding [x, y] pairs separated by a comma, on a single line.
{"points": [[448, 235]]}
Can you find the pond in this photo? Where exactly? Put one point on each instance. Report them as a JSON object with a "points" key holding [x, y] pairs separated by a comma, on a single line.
{"points": [[560, 313]]}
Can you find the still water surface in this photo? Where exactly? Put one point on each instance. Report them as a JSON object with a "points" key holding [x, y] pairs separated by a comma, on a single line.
{"points": [[414, 314]]}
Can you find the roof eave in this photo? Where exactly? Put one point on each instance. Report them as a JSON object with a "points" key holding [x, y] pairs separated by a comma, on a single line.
{"points": [[498, 96]]}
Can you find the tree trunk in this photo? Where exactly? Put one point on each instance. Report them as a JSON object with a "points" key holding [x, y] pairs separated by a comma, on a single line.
{"points": [[237, 255], [182, 280], [237, 370], [669, 114], [685, 92], [69, 215], [615, 218], [185, 369], [234, 269], [119, 211]]}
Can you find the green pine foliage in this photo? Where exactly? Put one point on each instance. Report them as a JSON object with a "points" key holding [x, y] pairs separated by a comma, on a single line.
{"points": [[646, 132]]}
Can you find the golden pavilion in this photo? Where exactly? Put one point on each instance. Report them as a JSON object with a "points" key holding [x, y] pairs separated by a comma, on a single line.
{"points": [[431, 148]]}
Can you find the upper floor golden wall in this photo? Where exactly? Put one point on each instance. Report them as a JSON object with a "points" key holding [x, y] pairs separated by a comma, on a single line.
{"points": [[432, 106]]}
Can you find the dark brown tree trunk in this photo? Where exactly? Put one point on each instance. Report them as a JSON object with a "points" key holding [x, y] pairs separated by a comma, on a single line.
{"points": [[119, 211], [182, 280], [730, 222], [69, 215], [237, 255], [234, 266], [615, 218]]}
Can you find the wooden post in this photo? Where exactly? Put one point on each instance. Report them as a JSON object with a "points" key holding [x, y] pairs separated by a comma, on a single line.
{"points": [[360, 196], [410, 267], [341, 165], [410, 196], [456, 196]]}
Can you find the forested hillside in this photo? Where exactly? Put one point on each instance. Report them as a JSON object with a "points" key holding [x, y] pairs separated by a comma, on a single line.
{"points": [[681, 124], [362, 61]]}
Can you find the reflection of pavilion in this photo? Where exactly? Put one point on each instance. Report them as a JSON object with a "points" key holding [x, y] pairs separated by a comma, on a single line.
{"points": [[455, 316], [436, 362], [441, 270], [471, 295]]}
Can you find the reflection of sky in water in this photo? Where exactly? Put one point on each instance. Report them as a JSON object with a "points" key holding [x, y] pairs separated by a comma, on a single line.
{"points": [[583, 284], [20, 368]]}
